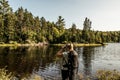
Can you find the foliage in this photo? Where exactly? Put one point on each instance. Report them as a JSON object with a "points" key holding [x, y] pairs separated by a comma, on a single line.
{"points": [[21, 26], [108, 75], [13, 42], [101, 75], [4, 75], [87, 24]]}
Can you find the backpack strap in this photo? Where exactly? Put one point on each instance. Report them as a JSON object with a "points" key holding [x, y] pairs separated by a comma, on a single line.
{"points": [[72, 57], [65, 59]]}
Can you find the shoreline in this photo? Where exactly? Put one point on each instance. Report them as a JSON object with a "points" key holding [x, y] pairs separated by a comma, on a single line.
{"points": [[78, 45], [10, 45], [81, 44]]}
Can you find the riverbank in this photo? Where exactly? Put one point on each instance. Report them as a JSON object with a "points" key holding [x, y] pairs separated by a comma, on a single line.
{"points": [[42, 44], [81, 44], [5, 75], [100, 75], [10, 45], [27, 44]]}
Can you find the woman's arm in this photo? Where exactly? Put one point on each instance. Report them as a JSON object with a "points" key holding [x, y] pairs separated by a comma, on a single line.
{"points": [[60, 53]]}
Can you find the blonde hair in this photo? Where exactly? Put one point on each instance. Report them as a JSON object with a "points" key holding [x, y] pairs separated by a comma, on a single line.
{"points": [[70, 46]]}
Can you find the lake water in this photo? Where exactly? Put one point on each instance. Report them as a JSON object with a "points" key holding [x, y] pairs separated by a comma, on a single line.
{"points": [[25, 62]]}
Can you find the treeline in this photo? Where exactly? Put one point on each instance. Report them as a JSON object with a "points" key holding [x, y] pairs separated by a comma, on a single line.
{"points": [[22, 26]]}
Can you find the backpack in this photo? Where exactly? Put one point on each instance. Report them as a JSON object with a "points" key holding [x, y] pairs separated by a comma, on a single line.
{"points": [[72, 60]]}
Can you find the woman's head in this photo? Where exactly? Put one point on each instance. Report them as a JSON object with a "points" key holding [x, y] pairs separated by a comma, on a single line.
{"points": [[69, 46]]}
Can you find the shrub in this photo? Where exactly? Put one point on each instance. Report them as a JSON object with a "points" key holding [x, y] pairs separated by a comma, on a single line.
{"points": [[2, 43], [29, 41], [4, 75], [108, 75], [12, 42]]}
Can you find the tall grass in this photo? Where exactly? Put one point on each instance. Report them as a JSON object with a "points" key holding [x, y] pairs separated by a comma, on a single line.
{"points": [[100, 75], [79, 45], [108, 75], [4, 75]]}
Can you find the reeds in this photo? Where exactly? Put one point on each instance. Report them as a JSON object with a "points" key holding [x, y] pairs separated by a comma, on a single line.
{"points": [[108, 75], [4, 75], [100, 75]]}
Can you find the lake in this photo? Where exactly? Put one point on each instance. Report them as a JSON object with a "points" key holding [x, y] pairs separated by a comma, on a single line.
{"points": [[25, 62]]}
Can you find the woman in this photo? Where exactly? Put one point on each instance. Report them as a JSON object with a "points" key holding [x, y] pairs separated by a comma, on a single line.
{"points": [[70, 62]]}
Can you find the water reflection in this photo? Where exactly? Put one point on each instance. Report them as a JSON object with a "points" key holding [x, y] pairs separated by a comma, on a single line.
{"points": [[23, 61], [88, 56], [26, 61]]}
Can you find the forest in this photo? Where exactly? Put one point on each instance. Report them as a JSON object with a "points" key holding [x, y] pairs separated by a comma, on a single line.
{"points": [[22, 26]]}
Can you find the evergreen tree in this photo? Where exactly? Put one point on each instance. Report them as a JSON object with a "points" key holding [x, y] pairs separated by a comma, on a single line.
{"points": [[22, 26], [1, 29], [19, 24], [37, 26], [60, 24], [4, 11], [87, 24], [73, 33], [43, 27], [9, 27]]}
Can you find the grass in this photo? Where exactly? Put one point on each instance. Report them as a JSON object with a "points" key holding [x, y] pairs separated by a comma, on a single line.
{"points": [[87, 44], [79, 45], [108, 75], [9, 45], [14, 43], [100, 75], [4, 75], [18, 44]]}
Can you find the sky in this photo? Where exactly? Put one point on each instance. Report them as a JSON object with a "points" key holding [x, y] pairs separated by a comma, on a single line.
{"points": [[104, 14]]}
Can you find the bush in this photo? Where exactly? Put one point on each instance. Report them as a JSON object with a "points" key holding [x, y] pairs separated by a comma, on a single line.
{"points": [[2, 43], [4, 75], [64, 42], [12, 42], [29, 41], [108, 75]]}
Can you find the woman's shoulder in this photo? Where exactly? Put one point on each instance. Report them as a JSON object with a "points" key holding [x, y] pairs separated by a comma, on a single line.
{"points": [[74, 52]]}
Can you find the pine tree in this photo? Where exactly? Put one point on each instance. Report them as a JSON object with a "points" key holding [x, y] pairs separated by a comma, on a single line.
{"points": [[4, 11], [9, 27], [60, 24], [87, 24], [19, 24]]}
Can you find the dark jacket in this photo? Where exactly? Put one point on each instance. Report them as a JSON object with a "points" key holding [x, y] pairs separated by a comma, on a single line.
{"points": [[73, 59]]}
